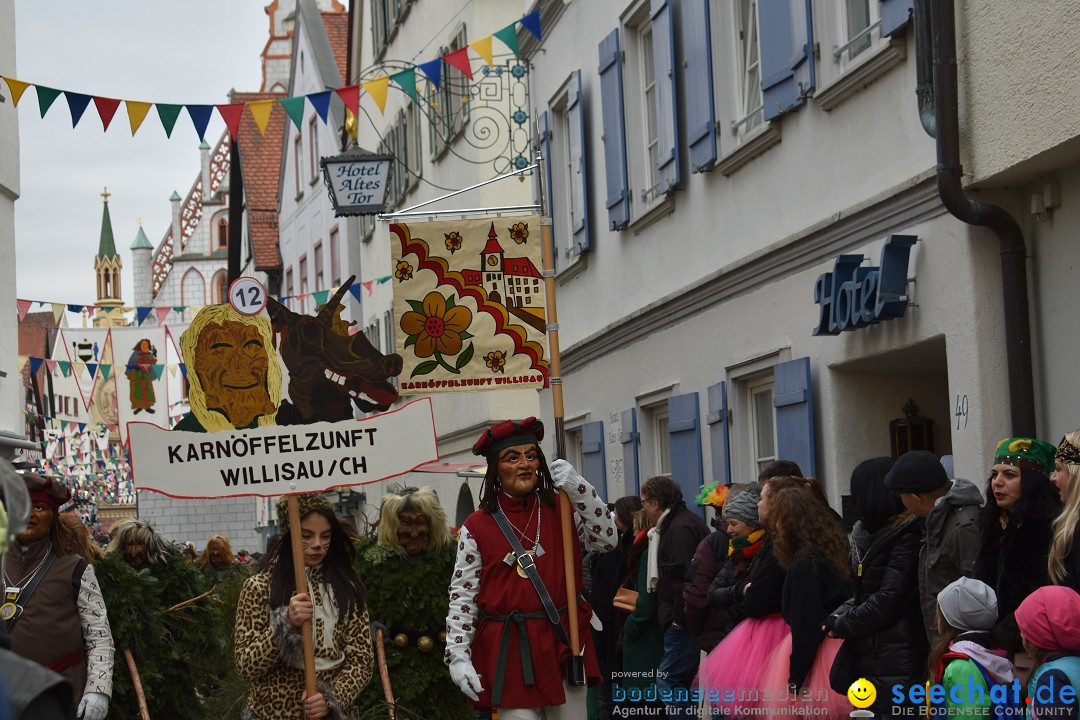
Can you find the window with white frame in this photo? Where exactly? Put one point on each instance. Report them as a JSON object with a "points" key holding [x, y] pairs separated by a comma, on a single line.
{"points": [[748, 67], [318, 259], [450, 102], [574, 456], [656, 445], [388, 331], [303, 281], [313, 147], [650, 139], [860, 23], [298, 154], [335, 257], [562, 175], [762, 421], [642, 111]]}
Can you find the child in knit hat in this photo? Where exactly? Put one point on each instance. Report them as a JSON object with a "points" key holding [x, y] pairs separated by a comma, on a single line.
{"points": [[965, 661], [1049, 622]]}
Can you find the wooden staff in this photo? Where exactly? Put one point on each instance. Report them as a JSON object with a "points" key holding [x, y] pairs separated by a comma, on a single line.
{"points": [[384, 672], [301, 587], [144, 711], [566, 515]]}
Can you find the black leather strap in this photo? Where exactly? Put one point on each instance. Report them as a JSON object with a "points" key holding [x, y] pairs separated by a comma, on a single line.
{"points": [[525, 562], [27, 592]]}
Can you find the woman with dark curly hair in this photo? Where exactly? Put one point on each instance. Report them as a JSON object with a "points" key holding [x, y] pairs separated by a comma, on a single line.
{"points": [[814, 552], [1015, 522]]}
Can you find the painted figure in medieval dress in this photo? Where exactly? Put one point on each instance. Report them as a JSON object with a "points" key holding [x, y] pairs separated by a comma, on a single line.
{"points": [[140, 376]]}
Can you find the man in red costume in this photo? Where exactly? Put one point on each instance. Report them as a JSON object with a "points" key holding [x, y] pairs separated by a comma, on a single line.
{"points": [[512, 659]]}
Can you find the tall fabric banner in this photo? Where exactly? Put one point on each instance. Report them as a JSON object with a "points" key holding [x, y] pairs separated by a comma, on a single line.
{"points": [[469, 305]]}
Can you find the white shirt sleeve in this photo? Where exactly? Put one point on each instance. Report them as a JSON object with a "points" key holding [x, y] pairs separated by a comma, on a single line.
{"points": [[464, 586], [596, 529], [97, 635]]}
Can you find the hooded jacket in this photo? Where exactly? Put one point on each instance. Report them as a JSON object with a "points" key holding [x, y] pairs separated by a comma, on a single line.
{"points": [[1050, 618], [950, 545]]}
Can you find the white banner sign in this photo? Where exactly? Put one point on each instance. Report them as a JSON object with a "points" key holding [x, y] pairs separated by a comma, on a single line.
{"points": [[275, 460]]}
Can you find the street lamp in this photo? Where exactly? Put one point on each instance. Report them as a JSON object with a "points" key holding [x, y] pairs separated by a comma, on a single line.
{"points": [[357, 181]]}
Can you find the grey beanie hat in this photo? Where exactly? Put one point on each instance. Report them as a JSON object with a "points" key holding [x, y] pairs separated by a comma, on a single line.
{"points": [[743, 507], [969, 604]]}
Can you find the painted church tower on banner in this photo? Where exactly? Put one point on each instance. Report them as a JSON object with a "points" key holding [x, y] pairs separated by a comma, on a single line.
{"points": [[107, 265]]}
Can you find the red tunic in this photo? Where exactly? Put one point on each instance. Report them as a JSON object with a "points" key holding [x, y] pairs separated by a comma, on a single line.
{"points": [[502, 591]]}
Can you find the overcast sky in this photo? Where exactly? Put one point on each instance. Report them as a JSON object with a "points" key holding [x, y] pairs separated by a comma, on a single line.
{"points": [[193, 51]]}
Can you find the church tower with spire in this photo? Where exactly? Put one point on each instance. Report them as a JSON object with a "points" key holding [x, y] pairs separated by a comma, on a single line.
{"points": [[107, 265]]}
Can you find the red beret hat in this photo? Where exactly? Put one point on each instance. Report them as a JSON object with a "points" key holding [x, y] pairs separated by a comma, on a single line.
{"points": [[507, 434], [46, 490]]}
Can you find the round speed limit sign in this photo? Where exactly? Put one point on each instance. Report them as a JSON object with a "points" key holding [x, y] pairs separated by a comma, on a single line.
{"points": [[247, 296]]}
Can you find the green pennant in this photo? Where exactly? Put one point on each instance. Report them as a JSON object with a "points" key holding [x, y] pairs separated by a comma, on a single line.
{"points": [[156, 371], [407, 80], [104, 370], [45, 98], [508, 35], [295, 107], [168, 114], [65, 367], [320, 297]]}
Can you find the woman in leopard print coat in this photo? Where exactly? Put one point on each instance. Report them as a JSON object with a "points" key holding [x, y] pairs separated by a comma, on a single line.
{"points": [[269, 648]]}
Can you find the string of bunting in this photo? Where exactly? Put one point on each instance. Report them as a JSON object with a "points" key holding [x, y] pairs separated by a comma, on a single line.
{"points": [[95, 470], [162, 311], [260, 110]]}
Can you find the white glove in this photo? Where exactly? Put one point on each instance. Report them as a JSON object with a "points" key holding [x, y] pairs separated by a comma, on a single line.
{"points": [[565, 476], [464, 676], [93, 706]]}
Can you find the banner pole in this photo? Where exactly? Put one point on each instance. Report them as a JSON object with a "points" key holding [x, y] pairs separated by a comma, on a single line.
{"points": [[301, 587]]}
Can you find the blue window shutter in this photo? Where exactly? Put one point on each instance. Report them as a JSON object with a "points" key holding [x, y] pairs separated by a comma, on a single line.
{"points": [[794, 402], [719, 433], [787, 61], [684, 431], [544, 142], [629, 439], [579, 179], [593, 467], [667, 130], [700, 112], [895, 15], [614, 119]]}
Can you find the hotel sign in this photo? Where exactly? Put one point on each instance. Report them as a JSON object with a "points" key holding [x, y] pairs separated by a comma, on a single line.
{"points": [[853, 296]]}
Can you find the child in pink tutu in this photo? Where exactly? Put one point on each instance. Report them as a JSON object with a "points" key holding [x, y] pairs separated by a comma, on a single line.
{"points": [[812, 549]]}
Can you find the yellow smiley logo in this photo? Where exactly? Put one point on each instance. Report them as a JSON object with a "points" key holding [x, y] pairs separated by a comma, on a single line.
{"points": [[862, 693]]}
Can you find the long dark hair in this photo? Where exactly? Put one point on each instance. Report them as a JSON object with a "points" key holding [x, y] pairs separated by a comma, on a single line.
{"points": [[1039, 502], [489, 493], [337, 569], [875, 504]]}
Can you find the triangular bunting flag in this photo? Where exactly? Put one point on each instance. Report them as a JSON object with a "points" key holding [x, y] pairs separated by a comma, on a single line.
{"points": [[58, 311], [354, 290], [172, 369], [75, 308], [17, 88], [35, 365], [23, 359], [195, 309], [46, 96], [65, 367], [350, 95], [377, 90], [460, 60], [483, 49], [231, 115], [51, 365], [407, 80], [508, 36], [200, 117], [161, 312], [183, 370], [156, 371], [77, 103], [321, 102], [383, 279], [369, 285], [531, 22], [136, 114], [24, 307], [321, 296], [82, 426], [92, 369], [168, 114], [141, 314], [294, 106], [80, 367], [105, 370], [106, 108], [433, 70], [260, 111]]}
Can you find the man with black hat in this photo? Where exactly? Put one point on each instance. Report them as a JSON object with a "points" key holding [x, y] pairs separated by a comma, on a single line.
{"points": [[52, 603], [503, 649], [951, 537]]}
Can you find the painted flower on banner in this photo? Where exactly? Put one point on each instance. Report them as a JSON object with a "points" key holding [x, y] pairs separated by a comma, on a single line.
{"points": [[520, 232], [496, 361], [403, 271], [438, 327], [453, 241]]}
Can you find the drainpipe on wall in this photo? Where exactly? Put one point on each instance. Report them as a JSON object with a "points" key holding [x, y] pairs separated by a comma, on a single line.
{"points": [[924, 66], [1014, 284]]}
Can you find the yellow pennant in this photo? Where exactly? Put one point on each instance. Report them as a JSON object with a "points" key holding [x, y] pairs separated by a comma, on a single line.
{"points": [[23, 359], [260, 110], [483, 49], [377, 90], [136, 113], [17, 87], [58, 311]]}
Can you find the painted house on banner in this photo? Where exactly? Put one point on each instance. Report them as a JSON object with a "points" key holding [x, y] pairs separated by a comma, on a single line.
{"points": [[458, 134], [755, 261]]}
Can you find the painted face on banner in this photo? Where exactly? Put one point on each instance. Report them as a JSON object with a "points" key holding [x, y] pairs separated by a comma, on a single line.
{"points": [[413, 531], [231, 362]]}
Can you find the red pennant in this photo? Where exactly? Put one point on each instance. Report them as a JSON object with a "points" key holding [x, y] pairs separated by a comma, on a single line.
{"points": [[350, 94], [161, 312], [51, 365], [231, 115], [460, 60], [369, 286], [106, 108], [24, 307]]}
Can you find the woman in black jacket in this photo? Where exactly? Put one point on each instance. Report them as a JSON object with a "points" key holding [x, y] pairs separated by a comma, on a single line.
{"points": [[884, 620]]}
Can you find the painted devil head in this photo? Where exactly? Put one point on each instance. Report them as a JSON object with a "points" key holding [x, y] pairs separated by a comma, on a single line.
{"points": [[330, 370]]}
